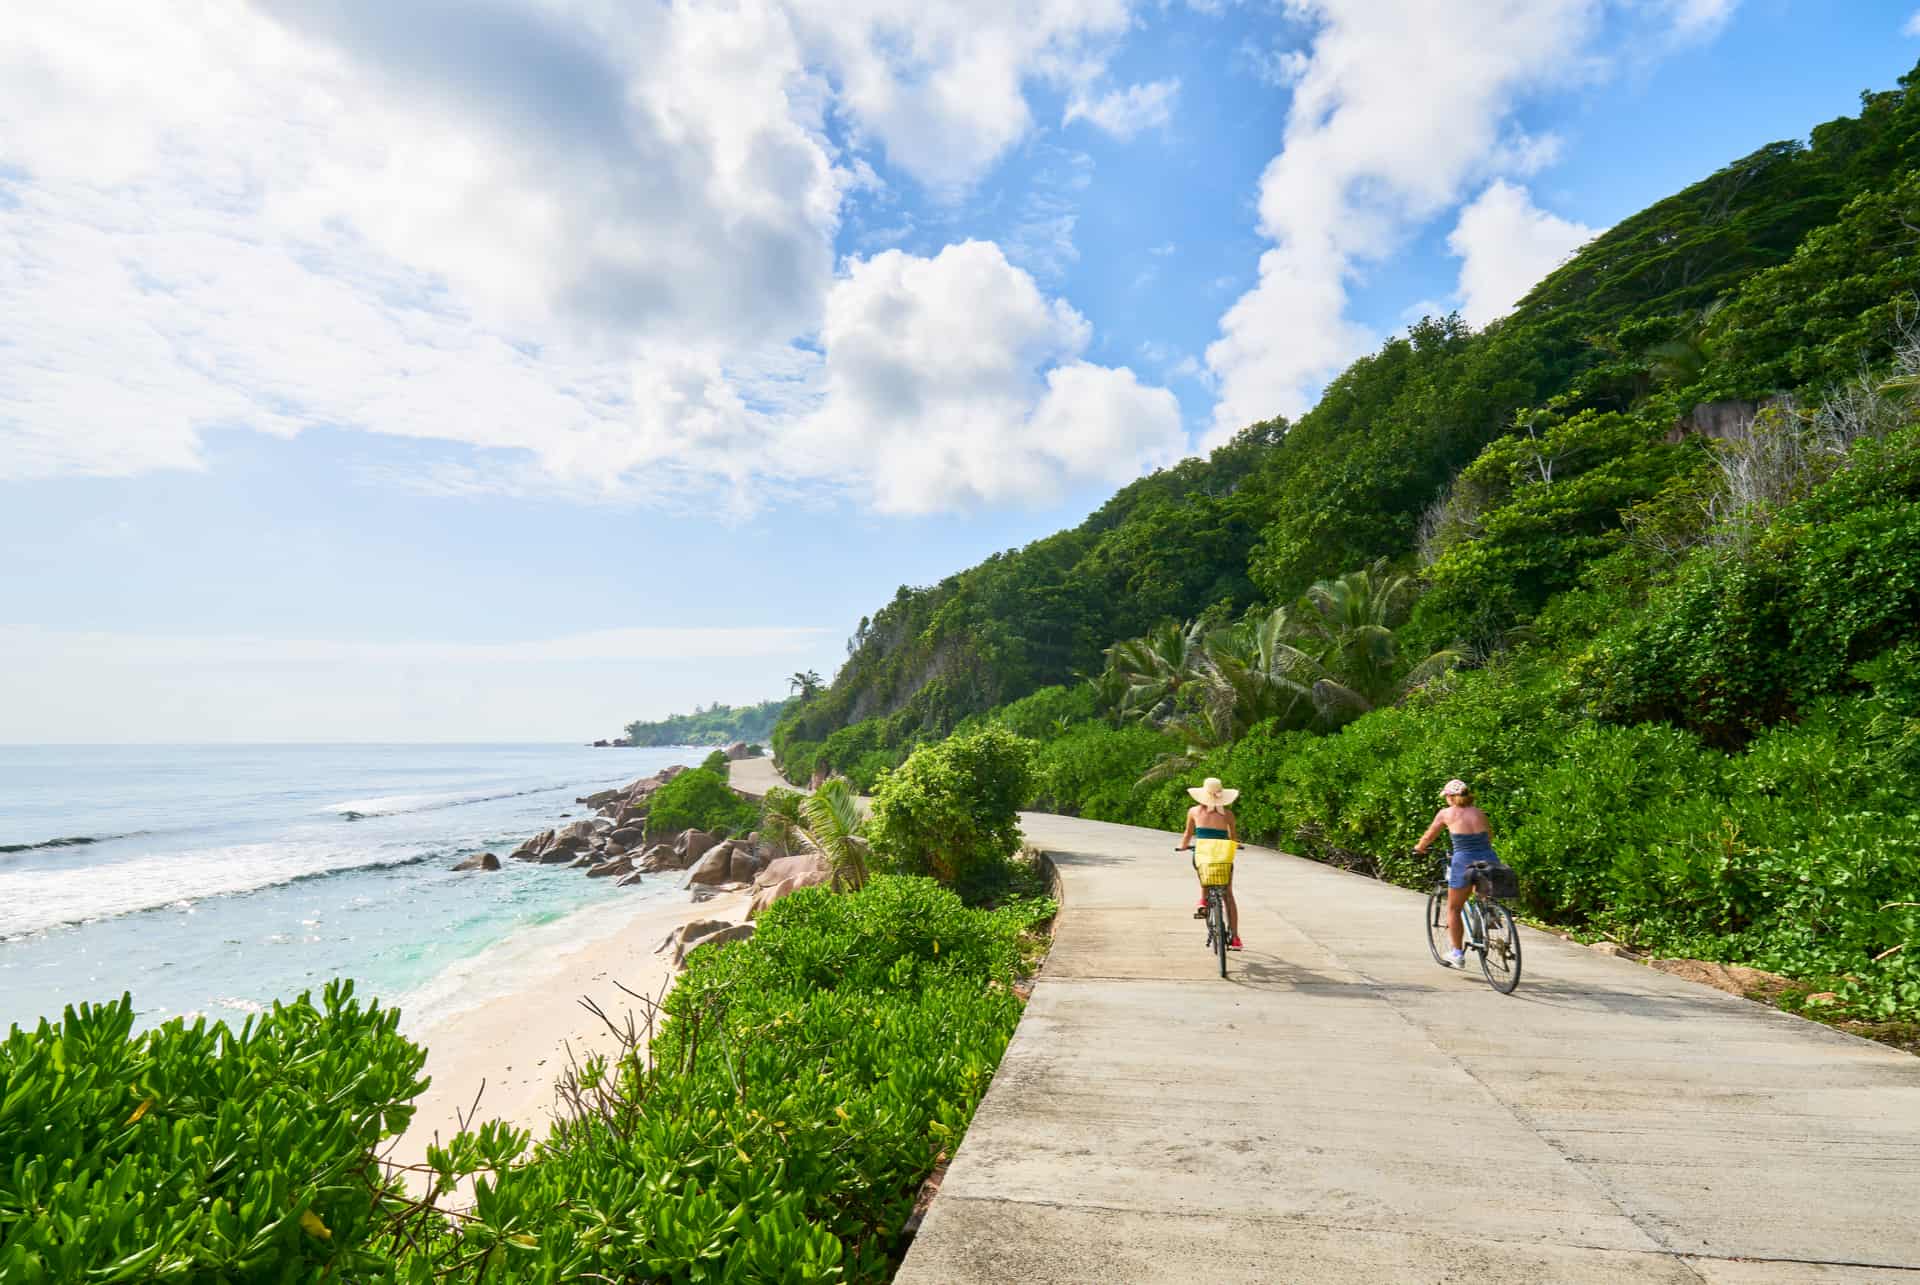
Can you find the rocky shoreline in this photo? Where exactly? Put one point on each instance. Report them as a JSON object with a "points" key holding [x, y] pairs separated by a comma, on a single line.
{"points": [[617, 844]]}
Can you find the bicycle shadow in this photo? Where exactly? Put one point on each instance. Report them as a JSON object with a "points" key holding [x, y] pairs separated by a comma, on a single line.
{"points": [[1264, 970]]}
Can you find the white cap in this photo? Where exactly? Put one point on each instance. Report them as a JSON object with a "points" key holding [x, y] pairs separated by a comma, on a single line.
{"points": [[1455, 786]]}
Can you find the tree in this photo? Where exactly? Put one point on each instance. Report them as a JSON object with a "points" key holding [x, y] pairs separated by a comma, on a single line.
{"points": [[1154, 667], [827, 822], [806, 682]]}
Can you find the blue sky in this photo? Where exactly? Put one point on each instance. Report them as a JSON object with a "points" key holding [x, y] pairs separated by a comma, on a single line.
{"points": [[507, 370]]}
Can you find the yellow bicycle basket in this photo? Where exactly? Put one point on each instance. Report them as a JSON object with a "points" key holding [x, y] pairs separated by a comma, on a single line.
{"points": [[1213, 858]]}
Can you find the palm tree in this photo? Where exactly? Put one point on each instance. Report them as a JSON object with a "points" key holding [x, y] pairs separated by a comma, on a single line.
{"points": [[806, 682], [1681, 360], [1154, 668], [827, 822], [1350, 623]]}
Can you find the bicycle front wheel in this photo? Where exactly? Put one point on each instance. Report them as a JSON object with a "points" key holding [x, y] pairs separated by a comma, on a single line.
{"points": [[1220, 931], [1437, 927], [1500, 961]]}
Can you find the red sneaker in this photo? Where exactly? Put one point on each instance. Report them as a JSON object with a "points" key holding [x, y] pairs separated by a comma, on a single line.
{"points": [[1234, 944]]}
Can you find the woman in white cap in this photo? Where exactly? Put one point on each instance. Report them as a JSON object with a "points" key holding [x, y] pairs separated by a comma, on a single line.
{"points": [[1467, 825], [1209, 818]]}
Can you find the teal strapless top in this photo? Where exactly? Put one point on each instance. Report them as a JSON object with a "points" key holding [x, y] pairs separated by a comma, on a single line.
{"points": [[1208, 832]]}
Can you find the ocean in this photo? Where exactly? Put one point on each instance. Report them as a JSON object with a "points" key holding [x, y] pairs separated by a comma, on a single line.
{"points": [[215, 879]]}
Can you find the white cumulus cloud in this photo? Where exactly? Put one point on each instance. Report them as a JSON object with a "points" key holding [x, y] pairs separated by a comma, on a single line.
{"points": [[1506, 244], [952, 380], [592, 240], [1398, 108], [1912, 27]]}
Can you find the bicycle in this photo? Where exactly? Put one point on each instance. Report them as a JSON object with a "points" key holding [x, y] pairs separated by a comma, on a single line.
{"points": [[1216, 895], [1488, 927]]}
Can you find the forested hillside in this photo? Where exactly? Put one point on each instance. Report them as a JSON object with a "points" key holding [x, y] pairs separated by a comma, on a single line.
{"points": [[1642, 559], [1784, 271]]}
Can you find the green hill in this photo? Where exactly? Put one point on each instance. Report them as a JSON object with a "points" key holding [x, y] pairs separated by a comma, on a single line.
{"points": [[1801, 246], [1642, 559]]}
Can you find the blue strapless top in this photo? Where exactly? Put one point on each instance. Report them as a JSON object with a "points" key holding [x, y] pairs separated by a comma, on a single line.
{"points": [[1477, 846]]}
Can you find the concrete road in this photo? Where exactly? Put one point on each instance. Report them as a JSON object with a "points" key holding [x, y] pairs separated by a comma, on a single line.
{"points": [[1341, 1109]]}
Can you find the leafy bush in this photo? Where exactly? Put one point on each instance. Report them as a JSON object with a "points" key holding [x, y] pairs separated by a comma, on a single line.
{"points": [[778, 1128], [798, 760], [1753, 634], [1048, 712], [1092, 771], [952, 810], [715, 762], [805, 1084], [699, 800], [197, 1153]]}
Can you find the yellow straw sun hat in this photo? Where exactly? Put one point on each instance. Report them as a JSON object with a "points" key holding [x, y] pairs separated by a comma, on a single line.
{"points": [[1212, 794]]}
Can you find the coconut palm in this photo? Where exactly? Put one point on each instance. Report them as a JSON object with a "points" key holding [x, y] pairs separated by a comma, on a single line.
{"points": [[1154, 668], [806, 682], [1252, 672], [1348, 634], [827, 822], [1681, 360]]}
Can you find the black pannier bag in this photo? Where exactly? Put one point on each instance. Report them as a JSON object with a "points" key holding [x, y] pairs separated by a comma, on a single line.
{"points": [[1503, 881]]}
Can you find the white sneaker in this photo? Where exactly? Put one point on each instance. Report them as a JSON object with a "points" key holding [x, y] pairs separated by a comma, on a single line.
{"points": [[1456, 959]]}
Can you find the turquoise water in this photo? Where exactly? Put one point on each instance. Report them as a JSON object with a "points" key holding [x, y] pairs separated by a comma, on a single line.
{"points": [[215, 879]]}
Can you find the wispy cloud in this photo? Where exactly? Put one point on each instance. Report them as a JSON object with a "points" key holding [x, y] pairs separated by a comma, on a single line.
{"points": [[640, 643], [1125, 112]]}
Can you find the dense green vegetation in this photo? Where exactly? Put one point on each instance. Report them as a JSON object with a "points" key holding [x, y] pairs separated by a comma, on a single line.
{"points": [[700, 799], [1641, 560], [952, 811], [197, 1153], [714, 725], [804, 1084]]}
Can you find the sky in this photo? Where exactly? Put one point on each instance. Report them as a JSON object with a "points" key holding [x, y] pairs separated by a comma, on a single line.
{"points": [[505, 370]]}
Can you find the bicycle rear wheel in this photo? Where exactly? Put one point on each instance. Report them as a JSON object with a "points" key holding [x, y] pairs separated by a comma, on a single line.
{"points": [[1437, 927], [1217, 907], [1500, 960]]}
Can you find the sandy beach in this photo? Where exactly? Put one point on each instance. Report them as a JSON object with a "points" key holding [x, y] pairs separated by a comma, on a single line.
{"points": [[517, 1044]]}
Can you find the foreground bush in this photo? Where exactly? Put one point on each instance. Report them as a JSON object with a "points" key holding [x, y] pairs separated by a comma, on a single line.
{"points": [[806, 1083], [777, 1128], [700, 800], [952, 810], [195, 1153]]}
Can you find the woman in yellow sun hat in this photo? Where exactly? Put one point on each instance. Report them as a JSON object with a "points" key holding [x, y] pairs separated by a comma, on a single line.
{"points": [[1210, 818]]}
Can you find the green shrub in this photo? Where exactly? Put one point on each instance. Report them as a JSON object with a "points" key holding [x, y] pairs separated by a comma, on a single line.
{"points": [[1092, 770], [952, 811], [715, 762], [1751, 635], [866, 770], [1047, 712], [197, 1153], [699, 800], [805, 1084], [798, 761], [778, 1128]]}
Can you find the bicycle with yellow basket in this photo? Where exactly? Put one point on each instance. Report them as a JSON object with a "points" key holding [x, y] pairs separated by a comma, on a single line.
{"points": [[1213, 861]]}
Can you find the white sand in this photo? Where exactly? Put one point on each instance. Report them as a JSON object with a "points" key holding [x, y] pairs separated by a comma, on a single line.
{"points": [[518, 1043]]}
